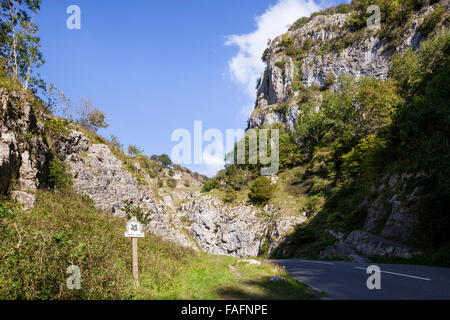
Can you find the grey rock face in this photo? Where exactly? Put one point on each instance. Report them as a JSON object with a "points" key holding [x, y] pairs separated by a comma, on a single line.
{"points": [[267, 117], [224, 230], [238, 230], [101, 175], [393, 212], [360, 242], [24, 152], [371, 245], [27, 200], [368, 57]]}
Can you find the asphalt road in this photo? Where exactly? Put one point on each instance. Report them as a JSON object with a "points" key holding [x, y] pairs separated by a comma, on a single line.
{"points": [[348, 280]]}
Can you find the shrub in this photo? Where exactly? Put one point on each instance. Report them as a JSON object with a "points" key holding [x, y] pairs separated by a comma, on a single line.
{"points": [[265, 55], [210, 184], [135, 211], [59, 178], [329, 80], [57, 127], [431, 21], [281, 65], [171, 183], [230, 195], [261, 190]]}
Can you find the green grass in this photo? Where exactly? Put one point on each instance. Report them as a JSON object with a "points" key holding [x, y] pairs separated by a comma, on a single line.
{"points": [[209, 277], [65, 229]]}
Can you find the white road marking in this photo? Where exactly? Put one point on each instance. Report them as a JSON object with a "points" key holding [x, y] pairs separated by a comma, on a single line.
{"points": [[318, 262], [398, 274]]}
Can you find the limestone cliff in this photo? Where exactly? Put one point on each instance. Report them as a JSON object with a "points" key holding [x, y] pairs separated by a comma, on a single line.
{"points": [[323, 47]]}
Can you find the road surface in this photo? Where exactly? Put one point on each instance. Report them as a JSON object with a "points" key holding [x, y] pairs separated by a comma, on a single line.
{"points": [[348, 280]]}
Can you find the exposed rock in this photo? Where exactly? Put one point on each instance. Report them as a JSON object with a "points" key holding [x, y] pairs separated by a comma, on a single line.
{"points": [[252, 262], [277, 279], [237, 230], [371, 245], [27, 200], [393, 211], [368, 57], [102, 176], [24, 153]]}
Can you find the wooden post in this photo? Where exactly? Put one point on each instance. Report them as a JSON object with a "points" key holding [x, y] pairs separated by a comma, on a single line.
{"points": [[135, 261]]}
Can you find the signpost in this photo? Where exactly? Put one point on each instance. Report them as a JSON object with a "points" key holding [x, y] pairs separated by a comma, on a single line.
{"points": [[134, 231]]}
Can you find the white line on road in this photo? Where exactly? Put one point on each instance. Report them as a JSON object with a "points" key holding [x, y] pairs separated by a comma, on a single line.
{"points": [[318, 262], [398, 274]]}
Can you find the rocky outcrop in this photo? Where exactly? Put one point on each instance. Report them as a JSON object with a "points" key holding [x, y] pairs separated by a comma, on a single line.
{"points": [[392, 208], [368, 56], [24, 152], [98, 173], [238, 230], [361, 242], [374, 246]]}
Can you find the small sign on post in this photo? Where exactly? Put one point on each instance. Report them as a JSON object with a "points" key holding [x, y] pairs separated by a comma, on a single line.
{"points": [[134, 231]]}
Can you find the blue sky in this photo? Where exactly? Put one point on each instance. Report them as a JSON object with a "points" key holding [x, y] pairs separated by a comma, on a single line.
{"points": [[156, 66]]}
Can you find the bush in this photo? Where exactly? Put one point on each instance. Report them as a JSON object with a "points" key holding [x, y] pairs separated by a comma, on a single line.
{"points": [[230, 195], [171, 183], [59, 178], [210, 184], [261, 190], [57, 127], [135, 211], [431, 21]]}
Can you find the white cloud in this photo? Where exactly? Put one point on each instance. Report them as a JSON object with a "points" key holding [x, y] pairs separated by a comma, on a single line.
{"points": [[212, 164], [246, 67]]}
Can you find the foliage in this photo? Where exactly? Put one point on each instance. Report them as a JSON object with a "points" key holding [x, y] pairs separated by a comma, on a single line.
{"points": [[230, 195], [171, 183], [65, 229], [20, 54], [261, 190], [134, 151], [9, 209], [59, 177], [136, 212], [57, 127], [115, 143], [431, 21], [210, 184], [165, 160]]}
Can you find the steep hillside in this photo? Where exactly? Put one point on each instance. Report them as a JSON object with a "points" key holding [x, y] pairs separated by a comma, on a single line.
{"points": [[363, 120]]}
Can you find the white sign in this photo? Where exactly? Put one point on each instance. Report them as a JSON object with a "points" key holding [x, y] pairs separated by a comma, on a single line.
{"points": [[134, 229]]}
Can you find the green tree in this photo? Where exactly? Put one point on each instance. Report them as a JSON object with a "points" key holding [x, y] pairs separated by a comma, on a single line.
{"points": [[165, 160], [261, 190], [20, 52], [115, 142], [134, 151]]}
